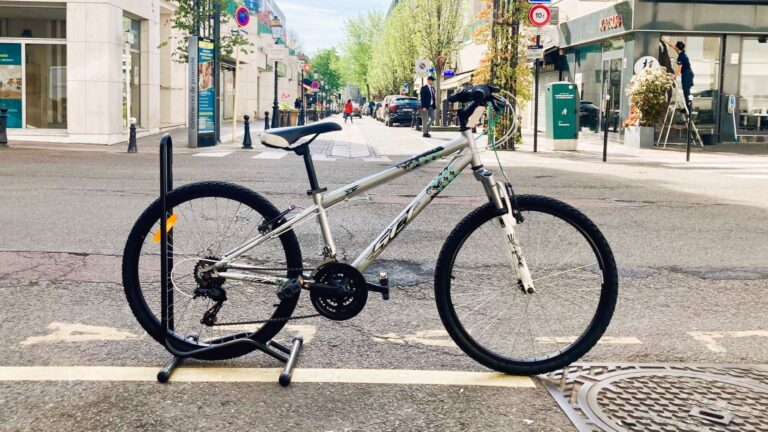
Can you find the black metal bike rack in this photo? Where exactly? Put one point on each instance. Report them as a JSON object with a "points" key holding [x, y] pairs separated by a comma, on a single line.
{"points": [[287, 355]]}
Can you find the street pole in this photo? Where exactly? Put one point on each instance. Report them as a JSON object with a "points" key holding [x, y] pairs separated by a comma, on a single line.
{"points": [[688, 138], [275, 105], [536, 102], [234, 102], [217, 73], [605, 133], [302, 112]]}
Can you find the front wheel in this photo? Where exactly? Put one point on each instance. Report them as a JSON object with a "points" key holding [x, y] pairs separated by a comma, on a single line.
{"points": [[500, 325]]}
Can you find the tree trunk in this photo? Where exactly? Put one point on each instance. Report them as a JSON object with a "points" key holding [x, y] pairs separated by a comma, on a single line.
{"points": [[438, 101]]}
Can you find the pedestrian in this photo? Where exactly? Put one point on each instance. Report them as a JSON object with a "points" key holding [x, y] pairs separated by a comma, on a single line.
{"points": [[348, 108], [371, 106], [683, 71], [297, 103], [428, 106]]}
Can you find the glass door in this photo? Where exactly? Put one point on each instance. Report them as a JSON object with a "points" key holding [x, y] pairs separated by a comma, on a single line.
{"points": [[611, 87], [753, 101]]}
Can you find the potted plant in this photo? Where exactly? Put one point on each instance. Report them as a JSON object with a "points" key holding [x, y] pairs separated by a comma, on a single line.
{"points": [[647, 93]]}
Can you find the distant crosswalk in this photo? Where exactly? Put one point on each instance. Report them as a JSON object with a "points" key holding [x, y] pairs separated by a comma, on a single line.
{"points": [[276, 155], [750, 170]]}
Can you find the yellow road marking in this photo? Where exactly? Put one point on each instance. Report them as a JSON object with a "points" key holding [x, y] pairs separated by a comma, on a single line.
{"points": [[605, 340], [73, 332], [232, 375], [712, 339]]}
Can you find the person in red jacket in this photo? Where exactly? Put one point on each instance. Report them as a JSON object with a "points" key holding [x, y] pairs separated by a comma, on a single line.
{"points": [[348, 108]]}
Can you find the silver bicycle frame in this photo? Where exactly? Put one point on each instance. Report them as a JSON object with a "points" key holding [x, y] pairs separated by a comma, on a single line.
{"points": [[322, 201]]}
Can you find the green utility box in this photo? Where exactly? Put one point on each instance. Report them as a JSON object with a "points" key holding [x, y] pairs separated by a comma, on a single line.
{"points": [[562, 115]]}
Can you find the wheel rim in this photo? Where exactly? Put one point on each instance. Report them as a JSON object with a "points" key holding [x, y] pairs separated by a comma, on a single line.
{"points": [[206, 227], [505, 323]]}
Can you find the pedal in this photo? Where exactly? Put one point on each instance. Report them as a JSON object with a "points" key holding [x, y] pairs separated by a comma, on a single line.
{"points": [[275, 222], [382, 288], [290, 289]]}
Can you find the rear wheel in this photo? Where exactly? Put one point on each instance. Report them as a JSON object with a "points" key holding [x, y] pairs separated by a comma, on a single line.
{"points": [[212, 218], [496, 322]]}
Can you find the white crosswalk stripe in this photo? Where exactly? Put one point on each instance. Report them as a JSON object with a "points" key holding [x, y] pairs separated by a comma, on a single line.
{"points": [[271, 155], [750, 170], [214, 154]]}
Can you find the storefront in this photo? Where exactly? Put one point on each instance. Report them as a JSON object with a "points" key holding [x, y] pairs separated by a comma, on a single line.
{"points": [[725, 42]]}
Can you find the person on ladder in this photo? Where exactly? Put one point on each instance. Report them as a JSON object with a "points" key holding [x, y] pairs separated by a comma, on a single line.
{"points": [[684, 71]]}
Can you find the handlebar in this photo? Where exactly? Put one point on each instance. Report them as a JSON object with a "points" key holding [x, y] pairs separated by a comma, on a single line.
{"points": [[476, 96]]}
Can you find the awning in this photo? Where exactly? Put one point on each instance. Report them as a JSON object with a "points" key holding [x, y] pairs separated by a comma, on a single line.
{"points": [[457, 80]]}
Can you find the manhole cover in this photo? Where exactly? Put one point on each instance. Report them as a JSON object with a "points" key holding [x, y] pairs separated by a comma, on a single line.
{"points": [[662, 397]]}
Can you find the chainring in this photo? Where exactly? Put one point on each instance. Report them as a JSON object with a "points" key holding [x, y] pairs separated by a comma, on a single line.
{"points": [[340, 308]]}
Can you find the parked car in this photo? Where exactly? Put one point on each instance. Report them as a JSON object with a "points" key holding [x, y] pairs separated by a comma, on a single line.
{"points": [[376, 108], [589, 115], [356, 111], [401, 110]]}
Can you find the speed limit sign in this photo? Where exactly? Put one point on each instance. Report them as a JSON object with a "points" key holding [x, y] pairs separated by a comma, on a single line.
{"points": [[539, 15]]}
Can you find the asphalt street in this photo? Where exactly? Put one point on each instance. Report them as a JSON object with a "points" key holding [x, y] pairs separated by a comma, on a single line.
{"points": [[692, 263]]}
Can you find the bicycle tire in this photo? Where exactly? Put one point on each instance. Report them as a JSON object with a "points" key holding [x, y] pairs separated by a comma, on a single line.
{"points": [[150, 218], [466, 339]]}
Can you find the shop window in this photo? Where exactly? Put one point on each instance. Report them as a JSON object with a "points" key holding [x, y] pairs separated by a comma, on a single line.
{"points": [[131, 70], [33, 22], [704, 55], [46, 86], [753, 103]]}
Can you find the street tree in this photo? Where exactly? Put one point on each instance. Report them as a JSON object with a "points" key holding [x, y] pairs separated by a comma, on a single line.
{"points": [[504, 60], [395, 52], [437, 27], [357, 49], [326, 64], [194, 17]]}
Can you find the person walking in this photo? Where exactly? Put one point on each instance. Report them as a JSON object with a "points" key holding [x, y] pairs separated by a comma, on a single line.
{"points": [[683, 70], [348, 108], [428, 106]]}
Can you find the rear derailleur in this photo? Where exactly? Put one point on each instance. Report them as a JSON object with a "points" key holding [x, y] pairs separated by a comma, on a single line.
{"points": [[209, 286]]}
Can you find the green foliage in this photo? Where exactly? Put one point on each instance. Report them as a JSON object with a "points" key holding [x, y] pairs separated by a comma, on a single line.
{"points": [[360, 34], [505, 53], [190, 12], [437, 29], [394, 53], [327, 64], [648, 94]]}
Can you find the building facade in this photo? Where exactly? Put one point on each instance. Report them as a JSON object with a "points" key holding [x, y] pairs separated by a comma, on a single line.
{"points": [[726, 42], [78, 71]]}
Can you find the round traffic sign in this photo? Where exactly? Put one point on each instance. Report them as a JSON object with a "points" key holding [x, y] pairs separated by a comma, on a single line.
{"points": [[315, 85], [242, 16], [539, 15]]}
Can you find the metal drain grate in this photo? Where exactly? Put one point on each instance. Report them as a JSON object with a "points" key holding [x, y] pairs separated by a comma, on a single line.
{"points": [[659, 397]]}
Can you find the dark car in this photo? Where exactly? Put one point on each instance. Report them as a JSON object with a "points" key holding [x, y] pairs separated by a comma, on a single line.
{"points": [[401, 110], [375, 113], [589, 115]]}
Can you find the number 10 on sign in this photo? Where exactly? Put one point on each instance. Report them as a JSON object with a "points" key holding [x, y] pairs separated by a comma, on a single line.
{"points": [[539, 15]]}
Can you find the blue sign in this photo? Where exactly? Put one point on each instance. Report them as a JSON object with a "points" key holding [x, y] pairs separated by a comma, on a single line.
{"points": [[206, 95], [252, 5], [449, 73], [10, 82]]}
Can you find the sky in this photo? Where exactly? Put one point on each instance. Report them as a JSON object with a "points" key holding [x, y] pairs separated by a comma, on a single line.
{"points": [[320, 23]]}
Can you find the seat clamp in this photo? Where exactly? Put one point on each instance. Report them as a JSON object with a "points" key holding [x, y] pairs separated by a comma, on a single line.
{"points": [[316, 191]]}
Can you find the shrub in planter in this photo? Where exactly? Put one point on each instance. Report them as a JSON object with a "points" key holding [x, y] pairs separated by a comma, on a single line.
{"points": [[648, 95]]}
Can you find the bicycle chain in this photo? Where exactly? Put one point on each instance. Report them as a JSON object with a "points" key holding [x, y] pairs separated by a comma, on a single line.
{"points": [[291, 318]]}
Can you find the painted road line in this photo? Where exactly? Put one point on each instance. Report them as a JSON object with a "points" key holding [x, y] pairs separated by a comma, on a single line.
{"points": [[214, 154], [750, 176], [711, 340], [271, 155], [427, 337], [266, 375], [605, 340], [322, 158], [377, 159], [73, 332]]}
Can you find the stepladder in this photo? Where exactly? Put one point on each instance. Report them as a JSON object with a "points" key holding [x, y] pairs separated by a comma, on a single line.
{"points": [[677, 111]]}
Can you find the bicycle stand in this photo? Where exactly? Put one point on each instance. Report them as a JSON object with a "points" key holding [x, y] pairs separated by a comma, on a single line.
{"points": [[287, 355]]}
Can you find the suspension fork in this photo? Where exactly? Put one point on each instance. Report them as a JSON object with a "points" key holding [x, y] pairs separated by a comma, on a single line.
{"points": [[506, 223]]}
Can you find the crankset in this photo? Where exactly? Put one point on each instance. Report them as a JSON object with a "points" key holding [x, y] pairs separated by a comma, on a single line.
{"points": [[339, 291]]}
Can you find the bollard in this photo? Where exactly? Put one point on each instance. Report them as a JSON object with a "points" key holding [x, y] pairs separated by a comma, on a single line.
{"points": [[605, 133], [266, 120], [688, 138], [247, 144], [3, 126], [132, 137]]}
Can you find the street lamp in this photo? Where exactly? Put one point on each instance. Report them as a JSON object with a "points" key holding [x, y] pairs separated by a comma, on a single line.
{"points": [[277, 31]]}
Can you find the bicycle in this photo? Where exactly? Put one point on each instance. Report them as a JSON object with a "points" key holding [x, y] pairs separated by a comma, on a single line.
{"points": [[238, 273]]}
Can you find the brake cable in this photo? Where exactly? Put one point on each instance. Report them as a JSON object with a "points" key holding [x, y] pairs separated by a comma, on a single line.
{"points": [[492, 120]]}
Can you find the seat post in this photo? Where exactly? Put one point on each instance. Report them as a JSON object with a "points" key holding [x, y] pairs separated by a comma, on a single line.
{"points": [[310, 166]]}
